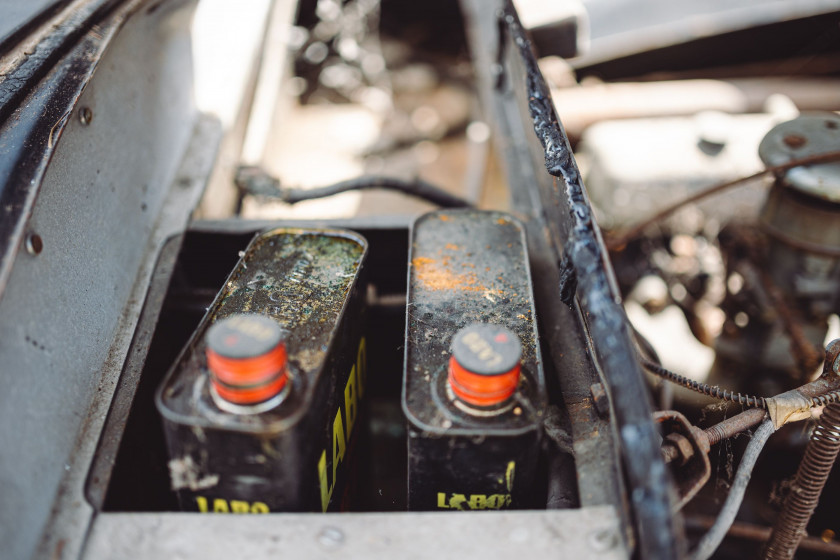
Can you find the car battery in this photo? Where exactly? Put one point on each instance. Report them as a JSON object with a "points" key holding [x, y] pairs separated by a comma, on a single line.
{"points": [[473, 387], [260, 408]]}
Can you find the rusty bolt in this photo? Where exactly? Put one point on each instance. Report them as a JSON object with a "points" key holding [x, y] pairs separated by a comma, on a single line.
{"points": [[832, 358], [795, 141], [599, 397], [682, 446]]}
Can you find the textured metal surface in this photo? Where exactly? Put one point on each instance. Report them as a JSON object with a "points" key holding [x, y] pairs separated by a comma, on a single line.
{"points": [[113, 189], [584, 533]]}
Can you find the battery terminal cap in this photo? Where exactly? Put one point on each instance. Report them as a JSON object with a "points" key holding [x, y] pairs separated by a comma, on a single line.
{"points": [[485, 364], [246, 358]]}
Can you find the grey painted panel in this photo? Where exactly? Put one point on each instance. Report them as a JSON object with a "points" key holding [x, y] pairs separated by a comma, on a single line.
{"points": [[581, 533], [64, 309]]}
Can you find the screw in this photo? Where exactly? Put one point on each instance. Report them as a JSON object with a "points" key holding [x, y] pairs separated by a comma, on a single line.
{"points": [[599, 398], [85, 115], [603, 540], [331, 537], [34, 244], [794, 141]]}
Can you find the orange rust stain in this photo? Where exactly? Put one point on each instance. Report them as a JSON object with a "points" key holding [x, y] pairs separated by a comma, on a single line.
{"points": [[435, 276], [502, 222], [451, 247], [444, 218]]}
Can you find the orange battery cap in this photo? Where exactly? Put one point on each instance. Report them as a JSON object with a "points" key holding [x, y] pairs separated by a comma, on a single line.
{"points": [[246, 357], [485, 364]]}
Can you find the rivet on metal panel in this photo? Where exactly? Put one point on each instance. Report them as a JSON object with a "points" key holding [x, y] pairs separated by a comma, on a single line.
{"points": [[795, 141], [34, 244], [331, 537], [602, 540], [85, 115]]}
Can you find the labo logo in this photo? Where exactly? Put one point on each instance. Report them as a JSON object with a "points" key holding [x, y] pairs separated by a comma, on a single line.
{"points": [[220, 505], [343, 429], [480, 501]]}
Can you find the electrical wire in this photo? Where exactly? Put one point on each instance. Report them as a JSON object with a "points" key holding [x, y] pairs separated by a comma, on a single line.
{"points": [[712, 539], [255, 181]]}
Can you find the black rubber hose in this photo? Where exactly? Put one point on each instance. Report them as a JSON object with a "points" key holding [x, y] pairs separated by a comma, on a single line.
{"points": [[255, 181]]}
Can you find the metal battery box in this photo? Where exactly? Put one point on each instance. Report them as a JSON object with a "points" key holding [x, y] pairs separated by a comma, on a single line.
{"points": [[468, 267], [293, 456]]}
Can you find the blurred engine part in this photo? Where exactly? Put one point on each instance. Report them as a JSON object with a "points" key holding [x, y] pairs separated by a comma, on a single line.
{"points": [[634, 167], [783, 284]]}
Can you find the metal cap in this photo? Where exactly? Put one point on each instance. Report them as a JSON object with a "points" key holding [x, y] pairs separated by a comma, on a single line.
{"points": [[807, 135], [246, 358], [485, 364]]}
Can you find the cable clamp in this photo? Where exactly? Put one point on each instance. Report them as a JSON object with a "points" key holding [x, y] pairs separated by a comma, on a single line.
{"points": [[791, 406]]}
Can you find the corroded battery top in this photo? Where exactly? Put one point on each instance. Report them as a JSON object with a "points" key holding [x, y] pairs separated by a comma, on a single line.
{"points": [[302, 280], [467, 267]]}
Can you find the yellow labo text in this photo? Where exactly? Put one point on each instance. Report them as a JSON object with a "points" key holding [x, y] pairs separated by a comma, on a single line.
{"points": [[472, 501], [342, 427], [451, 500], [220, 505]]}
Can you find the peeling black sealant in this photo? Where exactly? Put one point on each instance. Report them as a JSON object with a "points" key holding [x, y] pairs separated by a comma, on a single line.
{"points": [[584, 267]]}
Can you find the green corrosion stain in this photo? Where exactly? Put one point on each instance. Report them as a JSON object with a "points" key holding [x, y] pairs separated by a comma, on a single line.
{"points": [[301, 279]]}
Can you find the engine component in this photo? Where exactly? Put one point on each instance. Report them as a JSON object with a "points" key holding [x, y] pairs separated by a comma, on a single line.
{"points": [[802, 210], [791, 274], [691, 154], [255, 424], [475, 412], [689, 447]]}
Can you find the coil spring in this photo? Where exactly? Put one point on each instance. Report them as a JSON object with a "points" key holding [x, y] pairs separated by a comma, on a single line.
{"points": [[810, 478], [828, 398], [709, 390]]}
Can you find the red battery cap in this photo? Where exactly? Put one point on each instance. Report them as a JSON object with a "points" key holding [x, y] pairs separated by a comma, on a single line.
{"points": [[485, 364], [246, 356]]}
